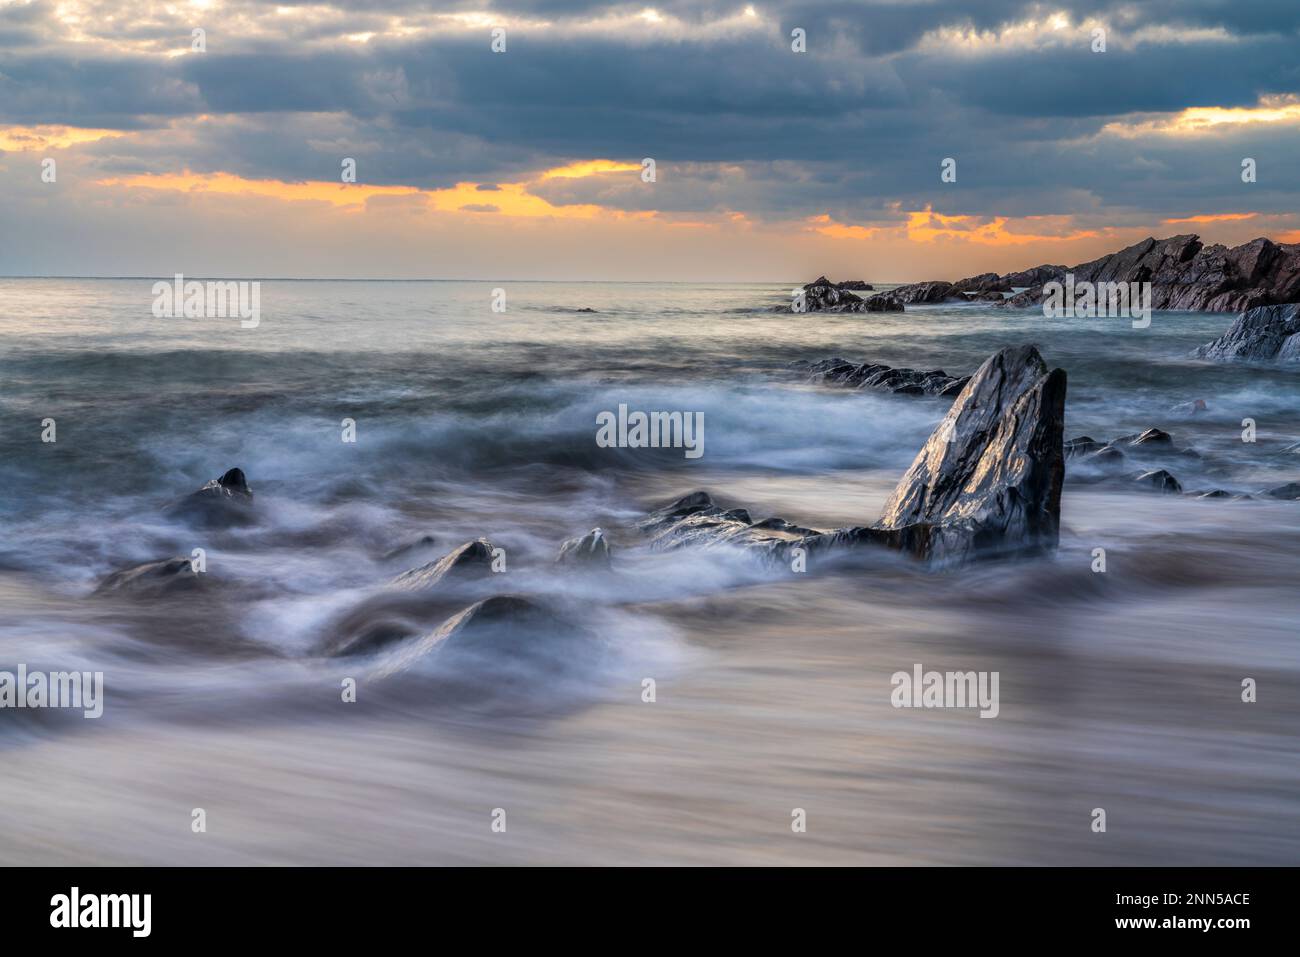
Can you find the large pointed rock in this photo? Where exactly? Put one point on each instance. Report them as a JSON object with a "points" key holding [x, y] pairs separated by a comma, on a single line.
{"points": [[988, 481]]}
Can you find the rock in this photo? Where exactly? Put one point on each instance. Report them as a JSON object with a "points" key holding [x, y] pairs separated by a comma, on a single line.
{"points": [[586, 309], [154, 579], [695, 520], [1160, 481], [1185, 274], [1154, 437], [588, 551], [1289, 491], [988, 481], [405, 551], [1083, 445], [856, 285], [1268, 333], [823, 295], [469, 562], [1037, 276], [1194, 407], [935, 291], [986, 484], [871, 375], [222, 502], [1109, 457], [1215, 493], [989, 282], [883, 302]]}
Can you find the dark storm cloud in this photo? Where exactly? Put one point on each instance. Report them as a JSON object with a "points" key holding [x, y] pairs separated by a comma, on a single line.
{"points": [[858, 124]]}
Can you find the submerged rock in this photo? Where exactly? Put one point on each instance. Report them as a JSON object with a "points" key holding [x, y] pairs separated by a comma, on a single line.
{"points": [[410, 548], [871, 375], [225, 501], [1289, 491], [988, 481], [169, 576], [469, 562], [1195, 407], [587, 551], [1159, 480], [1266, 333]]}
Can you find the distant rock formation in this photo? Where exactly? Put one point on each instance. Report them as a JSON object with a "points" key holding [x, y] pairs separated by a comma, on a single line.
{"points": [[986, 484], [871, 375], [1185, 274], [822, 295], [1264, 333]]}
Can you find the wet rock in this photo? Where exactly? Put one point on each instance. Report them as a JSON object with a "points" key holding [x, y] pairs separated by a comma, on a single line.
{"points": [[883, 378], [1268, 333], [856, 285], [1108, 456], [695, 520], [410, 548], [170, 576], [1154, 438], [1159, 480], [988, 481], [222, 502], [989, 283], [1289, 491], [924, 292], [1083, 445], [1215, 493], [471, 561], [587, 551]]}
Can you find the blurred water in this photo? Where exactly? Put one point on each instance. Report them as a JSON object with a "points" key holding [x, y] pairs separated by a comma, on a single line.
{"points": [[1119, 690]]}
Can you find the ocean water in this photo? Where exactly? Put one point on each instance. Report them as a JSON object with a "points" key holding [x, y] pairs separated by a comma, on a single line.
{"points": [[1119, 690]]}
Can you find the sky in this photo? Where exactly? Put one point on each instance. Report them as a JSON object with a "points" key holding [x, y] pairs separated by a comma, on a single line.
{"points": [[224, 155]]}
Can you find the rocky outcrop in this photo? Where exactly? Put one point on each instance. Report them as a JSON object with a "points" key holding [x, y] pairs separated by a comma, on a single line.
{"points": [[469, 562], [1185, 274], [986, 484], [170, 576], [924, 292], [988, 481], [871, 375], [856, 285], [1036, 276], [1290, 491], [587, 551], [222, 502], [1267, 333], [825, 296]]}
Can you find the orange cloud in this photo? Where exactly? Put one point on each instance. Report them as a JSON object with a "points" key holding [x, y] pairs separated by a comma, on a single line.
{"points": [[25, 139], [510, 199], [1213, 218]]}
